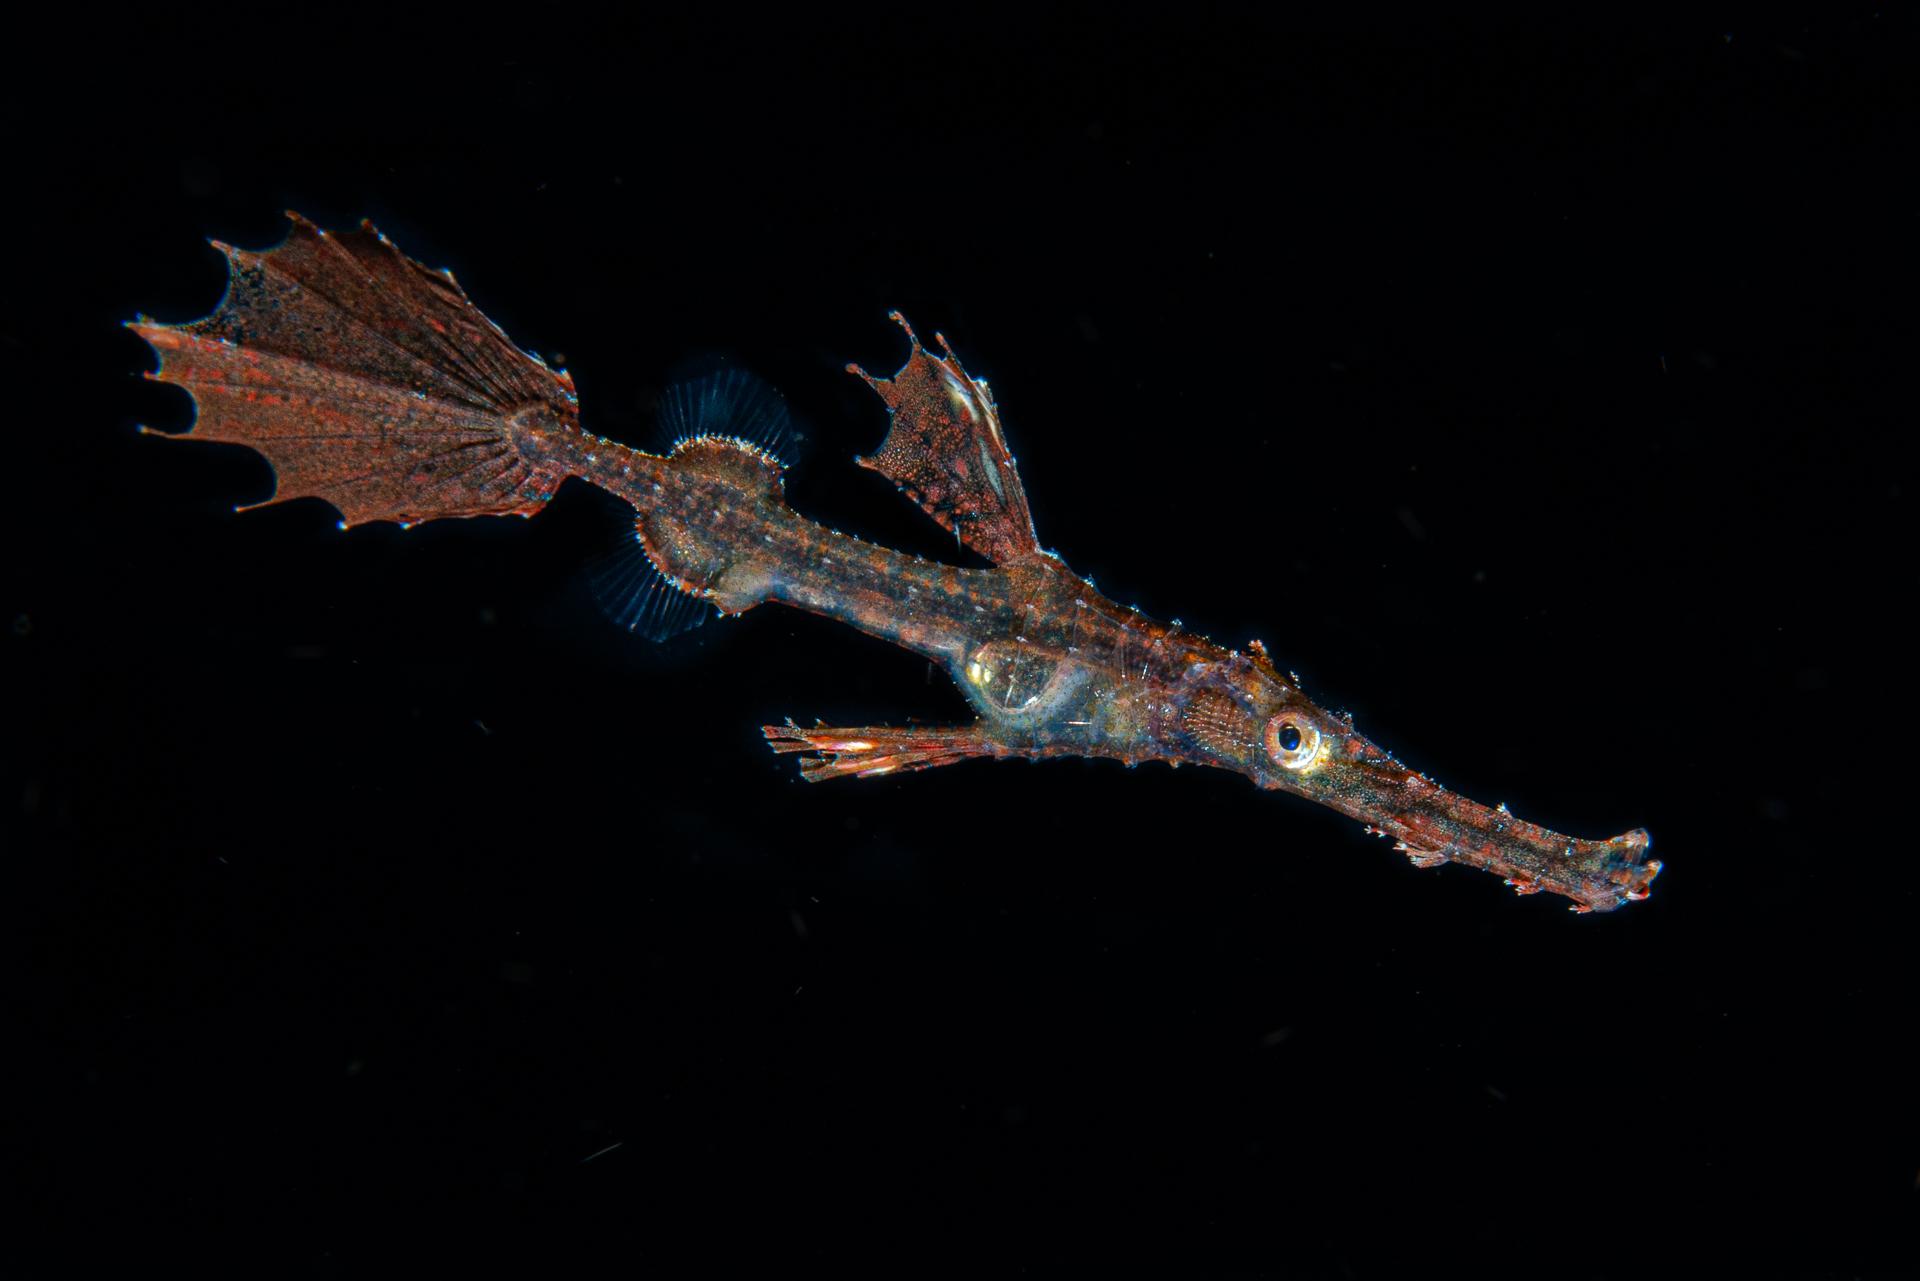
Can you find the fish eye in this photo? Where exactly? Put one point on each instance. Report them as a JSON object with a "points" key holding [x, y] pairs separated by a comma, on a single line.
{"points": [[1293, 741]]}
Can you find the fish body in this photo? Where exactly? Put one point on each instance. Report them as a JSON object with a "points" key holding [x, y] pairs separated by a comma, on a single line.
{"points": [[371, 381]]}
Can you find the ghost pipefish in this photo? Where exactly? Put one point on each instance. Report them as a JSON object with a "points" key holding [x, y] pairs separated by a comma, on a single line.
{"points": [[370, 381]]}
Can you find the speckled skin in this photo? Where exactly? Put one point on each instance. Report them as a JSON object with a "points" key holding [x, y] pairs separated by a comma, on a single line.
{"points": [[372, 382]]}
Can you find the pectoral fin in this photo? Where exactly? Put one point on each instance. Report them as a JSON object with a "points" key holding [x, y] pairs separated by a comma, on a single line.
{"points": [[945, 449]]}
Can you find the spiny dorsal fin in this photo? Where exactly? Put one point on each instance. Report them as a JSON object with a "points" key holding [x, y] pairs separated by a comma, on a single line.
{"points": [[944, 448]]}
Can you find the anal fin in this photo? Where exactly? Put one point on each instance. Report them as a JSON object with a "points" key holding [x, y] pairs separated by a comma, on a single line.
{"points": [[639, 597]]}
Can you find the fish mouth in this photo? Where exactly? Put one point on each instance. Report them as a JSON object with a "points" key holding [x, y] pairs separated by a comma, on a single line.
{"points": [[1431, 826]]}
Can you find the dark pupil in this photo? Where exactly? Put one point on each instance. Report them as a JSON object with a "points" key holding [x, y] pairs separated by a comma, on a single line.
{"points": [[1289, 738]]}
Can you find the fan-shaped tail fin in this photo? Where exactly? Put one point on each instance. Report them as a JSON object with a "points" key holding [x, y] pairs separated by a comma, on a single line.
{"points": [[371, 381]]}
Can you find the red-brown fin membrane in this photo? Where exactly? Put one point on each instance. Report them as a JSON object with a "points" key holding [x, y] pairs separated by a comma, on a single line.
{"points": [[874, 750], [368, 380], [944, 448]]}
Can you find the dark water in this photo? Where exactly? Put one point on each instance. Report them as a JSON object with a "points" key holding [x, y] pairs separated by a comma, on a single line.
{"points": [[1538, 392]]}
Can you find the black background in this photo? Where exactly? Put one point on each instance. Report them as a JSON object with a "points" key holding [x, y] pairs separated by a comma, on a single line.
{"points": [[1537, 391]]}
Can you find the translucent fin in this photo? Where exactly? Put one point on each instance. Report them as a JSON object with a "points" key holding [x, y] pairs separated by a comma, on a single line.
{"points": [[729, 403], [639, 598]]}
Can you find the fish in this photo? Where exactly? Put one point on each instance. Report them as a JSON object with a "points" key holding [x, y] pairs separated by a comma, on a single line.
{"points": [[370, 381]]}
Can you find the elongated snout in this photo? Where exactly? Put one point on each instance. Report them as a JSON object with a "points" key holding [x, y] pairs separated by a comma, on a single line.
{"points": [[1432, 826]]}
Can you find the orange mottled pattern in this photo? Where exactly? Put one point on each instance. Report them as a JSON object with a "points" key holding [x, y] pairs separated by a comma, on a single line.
{"points": [[370, 381]]}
